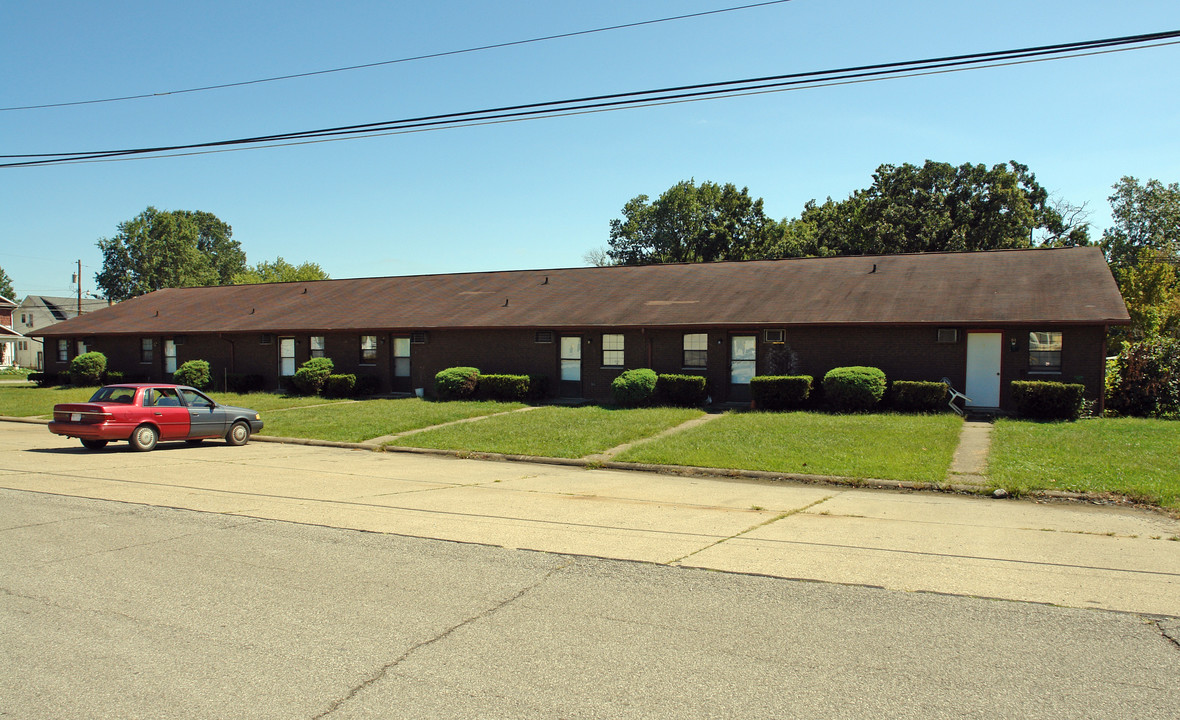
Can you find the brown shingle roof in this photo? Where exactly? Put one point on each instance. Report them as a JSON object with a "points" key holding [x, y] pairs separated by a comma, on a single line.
{"points": [[1063, 286]]}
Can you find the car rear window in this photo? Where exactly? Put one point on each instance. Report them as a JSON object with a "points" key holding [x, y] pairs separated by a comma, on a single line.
{"points": [[114, 394]]}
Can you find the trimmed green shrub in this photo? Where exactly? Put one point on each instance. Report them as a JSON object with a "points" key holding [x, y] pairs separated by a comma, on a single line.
{"points": [[339, 386], [634, 387], [538, 387], [457, 383], [510, 388], [1145, 380], [193, 372], [780, 392], [309, 379], [88, 369], [366, 385], [114, 376], [681, 390], [1041, 400], [243, 383], [855, 388], [915, 396]]}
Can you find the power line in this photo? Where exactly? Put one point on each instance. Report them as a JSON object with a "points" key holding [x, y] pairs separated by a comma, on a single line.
{"points": [[618, 101], [429, 56]]}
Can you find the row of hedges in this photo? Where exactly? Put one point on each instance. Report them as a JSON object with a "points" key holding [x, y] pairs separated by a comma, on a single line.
{"points": [[635, 388], [466, 383]]}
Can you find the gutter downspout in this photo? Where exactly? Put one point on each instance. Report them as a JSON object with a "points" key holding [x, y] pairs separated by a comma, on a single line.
{"points": [[1102, 376]]}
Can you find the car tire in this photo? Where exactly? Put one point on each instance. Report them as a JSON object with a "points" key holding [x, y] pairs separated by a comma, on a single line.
{"points": [[144, 438], [238, 435], [94, 444]]}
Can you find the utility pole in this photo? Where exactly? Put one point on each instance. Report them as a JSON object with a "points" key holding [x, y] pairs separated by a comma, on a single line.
{"points": [[79, 287]]}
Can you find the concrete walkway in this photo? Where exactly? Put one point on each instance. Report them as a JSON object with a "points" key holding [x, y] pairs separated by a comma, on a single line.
{"points": [[969, 463]]}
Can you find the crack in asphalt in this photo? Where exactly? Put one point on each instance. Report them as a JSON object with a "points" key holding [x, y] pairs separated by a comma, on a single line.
{"points": [[384, 670], [1172, 635]]}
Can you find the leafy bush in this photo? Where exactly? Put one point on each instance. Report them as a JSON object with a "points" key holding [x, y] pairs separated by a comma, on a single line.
{"points": [[538, 386], [780, 392], [634, 387], [1145, 380], [339, 386], [1041, 400], [114, 376], [194, 373], [366, 385], [457, 383], [309, 379], [912, 396], [511, 388], [855, 388], [681, 390], [88, 369], [244, 384]]}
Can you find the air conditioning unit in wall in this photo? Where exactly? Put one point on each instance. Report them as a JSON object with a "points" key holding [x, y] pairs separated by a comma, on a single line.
{"points": [[948, 335], [418, 338], [774, 336]]}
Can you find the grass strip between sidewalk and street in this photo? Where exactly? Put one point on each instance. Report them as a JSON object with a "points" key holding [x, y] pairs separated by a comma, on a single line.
{"points": [[563, 432], [368, 419], [1131, 456], [896, 447]]}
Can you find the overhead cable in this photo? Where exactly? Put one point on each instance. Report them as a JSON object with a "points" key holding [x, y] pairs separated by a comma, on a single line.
{"points": [[645, 98]]}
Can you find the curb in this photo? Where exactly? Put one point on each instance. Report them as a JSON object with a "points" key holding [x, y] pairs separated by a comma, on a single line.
{"points": [[664, 469]]}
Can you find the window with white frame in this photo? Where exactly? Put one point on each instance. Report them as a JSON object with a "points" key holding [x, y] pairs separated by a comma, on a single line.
{"points": [[1044, 352], [368, 349], [317, 345], [612, 350], [696, 350], [146, 350], [63, 350]]}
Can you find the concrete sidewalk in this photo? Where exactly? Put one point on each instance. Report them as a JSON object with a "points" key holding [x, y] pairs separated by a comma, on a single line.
{"points": [[1069, 554]]}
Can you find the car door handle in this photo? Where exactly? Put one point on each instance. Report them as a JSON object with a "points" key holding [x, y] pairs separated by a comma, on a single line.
{"points": [[157, 414]]}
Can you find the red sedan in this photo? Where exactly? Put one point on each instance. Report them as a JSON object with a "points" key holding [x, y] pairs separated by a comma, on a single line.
{"points": [[145, 413]]}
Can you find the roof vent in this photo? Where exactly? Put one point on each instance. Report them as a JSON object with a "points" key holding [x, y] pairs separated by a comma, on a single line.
{"points": [[874, 269]]}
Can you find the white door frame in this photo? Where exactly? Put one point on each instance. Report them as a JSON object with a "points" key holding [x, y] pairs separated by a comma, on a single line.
{"points": [[985, 352]]}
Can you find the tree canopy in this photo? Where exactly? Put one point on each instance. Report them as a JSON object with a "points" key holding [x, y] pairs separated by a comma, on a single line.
{"points": [[279, 271], [1145, 216], [691, 223], [6, 289], [935, 207], [168, 248]]}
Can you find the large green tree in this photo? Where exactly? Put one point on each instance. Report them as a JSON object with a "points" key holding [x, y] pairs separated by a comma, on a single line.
{"points": [[1146, 216], [279, 271], [692, 223], [6, 289], [936, 207], [168, 248]]}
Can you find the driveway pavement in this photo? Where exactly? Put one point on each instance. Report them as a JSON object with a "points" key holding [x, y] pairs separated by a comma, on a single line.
{"points": [[1067, 554]]}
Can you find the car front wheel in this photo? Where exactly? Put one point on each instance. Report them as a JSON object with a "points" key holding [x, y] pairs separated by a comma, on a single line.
{"points": [[144, 438], [94, 444], [239, 434]]}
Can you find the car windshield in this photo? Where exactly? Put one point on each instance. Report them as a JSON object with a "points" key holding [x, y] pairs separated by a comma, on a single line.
{"points": [[114, 394]]}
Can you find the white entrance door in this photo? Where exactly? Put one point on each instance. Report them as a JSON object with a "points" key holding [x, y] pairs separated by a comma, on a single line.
{"points": [[984, 352]]}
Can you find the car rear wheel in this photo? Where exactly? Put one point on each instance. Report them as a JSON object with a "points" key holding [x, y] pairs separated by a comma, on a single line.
{"points": [[94, 444], [144, 438], [238, 435]]}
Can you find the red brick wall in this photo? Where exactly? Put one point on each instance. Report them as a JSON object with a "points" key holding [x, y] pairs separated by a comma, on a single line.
{"points": [[903, 353]]}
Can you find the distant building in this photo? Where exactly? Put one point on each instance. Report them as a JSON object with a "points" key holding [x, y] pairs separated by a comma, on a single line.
{"points": [[37, 312], [9, 337], [980, 319]]}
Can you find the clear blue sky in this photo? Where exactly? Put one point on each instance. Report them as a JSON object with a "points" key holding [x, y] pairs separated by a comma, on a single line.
{"points": [[538, 194]]}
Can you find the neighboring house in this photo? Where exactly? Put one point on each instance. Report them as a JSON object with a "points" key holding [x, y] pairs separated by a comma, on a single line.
{"points": [[9, 338], [37, 312], [981, 319]]}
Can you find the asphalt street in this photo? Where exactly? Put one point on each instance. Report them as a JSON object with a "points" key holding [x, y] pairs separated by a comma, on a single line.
{"points": [[280, 581], [114, 610]]}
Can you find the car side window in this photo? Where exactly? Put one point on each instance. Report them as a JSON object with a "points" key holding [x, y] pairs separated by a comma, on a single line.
{"points": [[165, 397], [192, 398]]}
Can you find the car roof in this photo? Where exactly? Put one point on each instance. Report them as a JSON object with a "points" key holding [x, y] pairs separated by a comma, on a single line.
{"points": [[149, 385]]}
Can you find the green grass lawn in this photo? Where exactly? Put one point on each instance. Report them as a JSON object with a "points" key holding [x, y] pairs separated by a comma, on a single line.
{"points": [[897, 447], [1135, 457], [368, 419], [566, 432]]}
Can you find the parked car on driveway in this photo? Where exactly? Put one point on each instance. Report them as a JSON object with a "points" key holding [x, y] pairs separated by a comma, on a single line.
{"points": [[145, 413]]}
